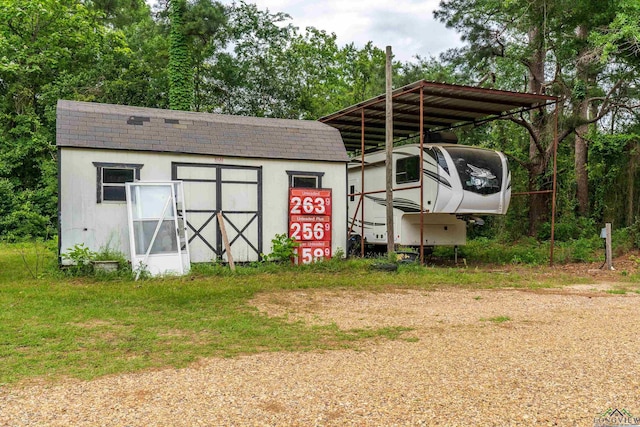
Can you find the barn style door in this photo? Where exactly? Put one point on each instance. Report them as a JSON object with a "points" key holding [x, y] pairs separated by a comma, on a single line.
{"points": [[236, 191]]}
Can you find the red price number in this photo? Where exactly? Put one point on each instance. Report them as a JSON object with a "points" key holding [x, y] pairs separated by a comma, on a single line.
{"points": [[309, 205], [309, 255], [310, 231]]}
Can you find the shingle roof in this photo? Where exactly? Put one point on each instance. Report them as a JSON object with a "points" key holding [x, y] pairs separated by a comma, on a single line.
{"points": [[117, 127]]}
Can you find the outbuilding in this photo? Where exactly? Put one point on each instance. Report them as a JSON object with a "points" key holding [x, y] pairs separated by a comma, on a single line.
{"points": [[241, 167]]}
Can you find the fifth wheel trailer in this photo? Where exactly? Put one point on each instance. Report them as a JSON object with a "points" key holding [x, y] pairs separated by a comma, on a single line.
{"points": [[459, 183]]}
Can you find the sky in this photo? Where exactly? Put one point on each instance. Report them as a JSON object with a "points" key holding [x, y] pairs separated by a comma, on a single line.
{"points": [[407, 26]]}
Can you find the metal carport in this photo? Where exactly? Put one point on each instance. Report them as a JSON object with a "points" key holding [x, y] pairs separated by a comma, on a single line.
{"points": [[423, 108]]}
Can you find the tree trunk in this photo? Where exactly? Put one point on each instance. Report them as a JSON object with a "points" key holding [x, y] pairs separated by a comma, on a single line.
{"points": [[580, 163], [538, 203], [631, 178], [586, 78]]}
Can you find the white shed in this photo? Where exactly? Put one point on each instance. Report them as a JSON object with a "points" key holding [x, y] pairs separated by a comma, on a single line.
{"points": [[243, 167]]}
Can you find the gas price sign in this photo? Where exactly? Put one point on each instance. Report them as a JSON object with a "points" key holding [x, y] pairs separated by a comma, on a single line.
{"points": [[310, 223]]}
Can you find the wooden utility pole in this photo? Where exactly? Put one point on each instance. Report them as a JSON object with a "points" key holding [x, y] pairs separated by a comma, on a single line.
{"points": [[608, 251], [389, 151]]}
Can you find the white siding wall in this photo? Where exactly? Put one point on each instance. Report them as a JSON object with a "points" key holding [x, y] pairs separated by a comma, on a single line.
{"points": [[83, 220]]}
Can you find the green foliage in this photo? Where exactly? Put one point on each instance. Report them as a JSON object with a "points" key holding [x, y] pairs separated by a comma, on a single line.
{"points": [[80, 256], [529, 251], [583, 249], [49, 50], [569, 228], [622, 36], [282, 248], [626, 238], [83, 262], [38, 256], [278, 70], [584, 53], [180, 69], [613, 168]]}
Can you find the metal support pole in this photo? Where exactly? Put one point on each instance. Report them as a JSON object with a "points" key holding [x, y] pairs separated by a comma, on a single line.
{"points": [[555, 183], [355, 215], [362, 183], [389, 151], [421, 175]]}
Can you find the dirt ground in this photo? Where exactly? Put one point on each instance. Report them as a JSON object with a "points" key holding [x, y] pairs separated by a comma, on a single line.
{"points": [[508, 357]]}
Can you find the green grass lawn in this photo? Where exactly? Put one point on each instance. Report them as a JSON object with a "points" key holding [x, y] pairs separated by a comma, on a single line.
{"points": [[52, 325]]}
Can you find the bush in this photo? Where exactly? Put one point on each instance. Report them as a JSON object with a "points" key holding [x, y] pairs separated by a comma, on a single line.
{"points": [[584, 250], [525, 251], [634, 232], [283, 248], [569, 228], [624, 240], [38, 256], [80, 257], [25, 223]]}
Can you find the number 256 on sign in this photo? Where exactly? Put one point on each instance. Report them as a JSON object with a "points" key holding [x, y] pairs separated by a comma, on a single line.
{"points": [[310, 227]]}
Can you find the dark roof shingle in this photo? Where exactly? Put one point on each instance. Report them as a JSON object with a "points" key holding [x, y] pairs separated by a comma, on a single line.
{"points": [[93, 125]]}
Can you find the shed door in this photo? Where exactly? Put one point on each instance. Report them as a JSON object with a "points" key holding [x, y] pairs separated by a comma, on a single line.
{"points": [[236, 191]]}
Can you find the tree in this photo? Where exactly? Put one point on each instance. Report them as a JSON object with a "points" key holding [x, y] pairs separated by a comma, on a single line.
{"points": [[50, 50], [180, 68], [41, 42], [546, 45], [197, 31], [278, 70]]}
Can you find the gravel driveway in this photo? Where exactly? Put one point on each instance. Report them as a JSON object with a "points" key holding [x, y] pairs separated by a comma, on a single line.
{"points": [[472, 358]]}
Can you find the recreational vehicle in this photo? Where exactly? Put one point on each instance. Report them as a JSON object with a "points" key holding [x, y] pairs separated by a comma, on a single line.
{"points": [[459, 183]]}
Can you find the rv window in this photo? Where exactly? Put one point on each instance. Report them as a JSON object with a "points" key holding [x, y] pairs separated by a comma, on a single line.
{"points": [[480, 170], [408, 169], [112, 178], [442, 161]]}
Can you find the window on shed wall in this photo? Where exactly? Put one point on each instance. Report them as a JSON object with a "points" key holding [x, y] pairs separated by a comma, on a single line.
{"points": [[305, 179], [112, 178]]}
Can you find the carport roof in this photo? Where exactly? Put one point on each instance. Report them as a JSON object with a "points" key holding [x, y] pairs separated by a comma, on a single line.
{"points": [[445, 106]]}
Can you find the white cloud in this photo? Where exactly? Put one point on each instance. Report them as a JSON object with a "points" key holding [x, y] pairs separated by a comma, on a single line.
{"points": [[405, 25]]}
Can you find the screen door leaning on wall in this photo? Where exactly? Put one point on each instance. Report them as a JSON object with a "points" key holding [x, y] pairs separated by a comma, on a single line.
{"points": [[157, 233]]}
